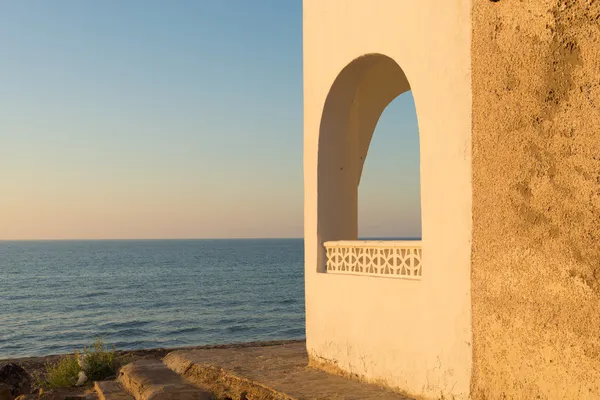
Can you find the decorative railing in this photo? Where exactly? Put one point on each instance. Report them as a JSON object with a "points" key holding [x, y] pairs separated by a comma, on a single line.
{"points": [[394, 259]]}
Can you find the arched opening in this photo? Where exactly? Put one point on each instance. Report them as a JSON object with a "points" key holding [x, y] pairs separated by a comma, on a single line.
{"points": [[353, 107], [389, 193]]}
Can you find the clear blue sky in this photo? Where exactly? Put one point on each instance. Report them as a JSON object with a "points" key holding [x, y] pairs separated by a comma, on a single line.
{"points": [[156, 119]]}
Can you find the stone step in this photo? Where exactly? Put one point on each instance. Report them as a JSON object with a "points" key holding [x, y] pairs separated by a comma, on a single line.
{"points": [[224, 382], [153, 380], [111, 390]]}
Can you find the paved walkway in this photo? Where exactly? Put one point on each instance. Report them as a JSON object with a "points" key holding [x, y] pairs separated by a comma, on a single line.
{"points": [[281, 368]]}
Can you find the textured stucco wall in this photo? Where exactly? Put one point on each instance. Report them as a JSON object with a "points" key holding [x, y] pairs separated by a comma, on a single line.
{"points": [[536, 199]]}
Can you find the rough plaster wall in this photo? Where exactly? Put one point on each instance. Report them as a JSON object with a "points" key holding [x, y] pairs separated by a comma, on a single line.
{"points": [[536, 199]]}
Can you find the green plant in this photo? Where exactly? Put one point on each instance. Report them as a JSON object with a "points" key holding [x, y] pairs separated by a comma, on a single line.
{"points": [[98, 362], [61, 374]]}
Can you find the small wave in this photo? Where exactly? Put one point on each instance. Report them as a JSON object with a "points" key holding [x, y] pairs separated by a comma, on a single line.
{"points": [[238, 328], [135, 344], [228, 321], [124, 325], [291, 332], [131, 332], [13, 346], [179, 331], [19, 297], [92, 295]]}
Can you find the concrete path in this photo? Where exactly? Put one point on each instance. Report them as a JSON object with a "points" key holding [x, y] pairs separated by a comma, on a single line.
{"points": [[273, 372]]}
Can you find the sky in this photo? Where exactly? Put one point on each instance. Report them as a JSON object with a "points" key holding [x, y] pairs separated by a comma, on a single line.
{"points": [[184, 119]]}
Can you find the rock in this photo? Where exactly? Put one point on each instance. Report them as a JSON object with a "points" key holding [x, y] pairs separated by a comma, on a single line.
{"points": [[16, 378], [82, 361], [47, 394], [5, 393], [26, 397], [58, 394], [82, 378]]}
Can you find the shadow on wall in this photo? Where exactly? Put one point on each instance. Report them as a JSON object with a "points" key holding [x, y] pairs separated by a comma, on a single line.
{"points": [[353, 107]]}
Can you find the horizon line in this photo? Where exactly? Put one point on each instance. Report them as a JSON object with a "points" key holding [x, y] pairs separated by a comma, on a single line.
{"points": [[193, 238], [139, 239]]}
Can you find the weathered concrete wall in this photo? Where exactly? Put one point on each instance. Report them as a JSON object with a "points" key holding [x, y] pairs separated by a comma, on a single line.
{"points": [[536, 199]]}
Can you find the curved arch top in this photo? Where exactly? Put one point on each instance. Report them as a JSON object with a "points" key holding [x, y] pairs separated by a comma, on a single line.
{"points": [[353, 106], [359, 94]]}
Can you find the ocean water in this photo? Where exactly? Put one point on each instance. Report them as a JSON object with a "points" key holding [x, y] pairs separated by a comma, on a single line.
{"points": [[59, 295]]}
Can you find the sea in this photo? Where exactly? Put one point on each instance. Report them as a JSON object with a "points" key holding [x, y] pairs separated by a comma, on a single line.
{"points": [[58, 296]]}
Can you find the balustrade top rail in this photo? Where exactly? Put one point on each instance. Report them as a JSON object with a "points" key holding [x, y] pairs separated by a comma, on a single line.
{"points": [[388, 258]]}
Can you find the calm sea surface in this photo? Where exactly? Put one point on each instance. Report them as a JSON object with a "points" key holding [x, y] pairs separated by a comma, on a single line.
{"points": [[57, 296]]}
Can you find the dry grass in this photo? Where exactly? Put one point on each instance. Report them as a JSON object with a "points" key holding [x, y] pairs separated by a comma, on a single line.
{"points": [[61, 374], [97, 361]]}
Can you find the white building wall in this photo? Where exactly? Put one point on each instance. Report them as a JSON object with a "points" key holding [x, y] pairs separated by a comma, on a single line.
{"points": [[412, 335]]}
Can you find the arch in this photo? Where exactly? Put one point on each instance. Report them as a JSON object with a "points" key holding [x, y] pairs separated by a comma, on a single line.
{"points": [[353, 106]]}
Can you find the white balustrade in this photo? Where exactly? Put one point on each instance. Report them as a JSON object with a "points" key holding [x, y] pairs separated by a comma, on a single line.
{"points": [[385, 258]]}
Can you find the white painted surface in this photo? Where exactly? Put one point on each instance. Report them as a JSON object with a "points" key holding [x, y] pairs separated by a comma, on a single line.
{"points": [[399, 259], [412, 335]]}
